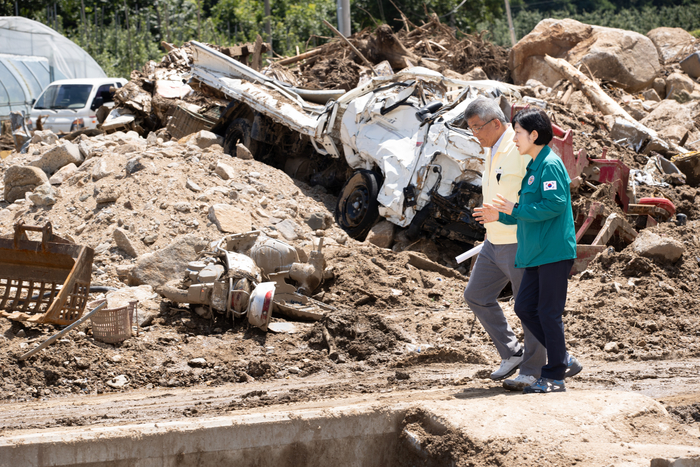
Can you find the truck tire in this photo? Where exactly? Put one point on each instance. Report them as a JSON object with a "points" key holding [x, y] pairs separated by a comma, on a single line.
{"points": [[238, 131], [357, 208]]}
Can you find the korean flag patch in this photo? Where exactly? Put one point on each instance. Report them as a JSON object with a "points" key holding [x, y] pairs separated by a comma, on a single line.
{"points": [[550, 185]]}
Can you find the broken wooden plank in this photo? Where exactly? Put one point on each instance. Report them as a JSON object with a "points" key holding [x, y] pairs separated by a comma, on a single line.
{"points": [[257, 54], [298, 58]]}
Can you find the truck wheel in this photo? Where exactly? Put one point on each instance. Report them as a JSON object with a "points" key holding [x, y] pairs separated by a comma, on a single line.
{"points": [[357, 208], [238, 131]]}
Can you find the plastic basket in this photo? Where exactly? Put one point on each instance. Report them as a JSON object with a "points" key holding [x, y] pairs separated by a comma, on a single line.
{"points": [[114, 324]]}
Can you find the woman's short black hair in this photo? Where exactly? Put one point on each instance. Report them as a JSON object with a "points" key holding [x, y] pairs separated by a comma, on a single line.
{"points": [[535, 119]]}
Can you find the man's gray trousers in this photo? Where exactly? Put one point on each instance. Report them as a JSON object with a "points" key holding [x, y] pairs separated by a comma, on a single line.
{"points": [[494, 268]]}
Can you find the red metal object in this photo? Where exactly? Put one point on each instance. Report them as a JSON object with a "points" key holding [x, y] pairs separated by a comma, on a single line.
{"points": [[662, 203]]}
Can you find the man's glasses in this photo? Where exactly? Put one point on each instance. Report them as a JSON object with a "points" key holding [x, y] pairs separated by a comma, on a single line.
{"points": [[477, 129]]}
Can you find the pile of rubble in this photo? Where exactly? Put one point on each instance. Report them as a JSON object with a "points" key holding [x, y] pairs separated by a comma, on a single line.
{"points": [[152, 201]]}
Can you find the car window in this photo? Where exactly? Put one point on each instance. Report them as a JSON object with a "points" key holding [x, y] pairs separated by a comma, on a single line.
{"points": [[64, 96], [103, 92], [458, 122]]}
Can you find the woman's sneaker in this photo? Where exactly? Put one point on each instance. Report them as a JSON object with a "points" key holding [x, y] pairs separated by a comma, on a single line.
{"points": [[573, 367], [545, 385], [519, 383]]}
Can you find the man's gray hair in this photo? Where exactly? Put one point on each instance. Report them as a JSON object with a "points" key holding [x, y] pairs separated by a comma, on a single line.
{"points": [[486, 109]]}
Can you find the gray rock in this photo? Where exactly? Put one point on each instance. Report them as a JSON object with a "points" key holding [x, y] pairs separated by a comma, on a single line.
{"points": [[182, 206], [44, 136], [611, 347], [678, 82], [243, 152], [671, 43], [59, 156], [691, 65], [19, 180], [652, 95], [193, 186], [205, 138], [105, 194], [85, 149], [289, 229], [653, 246], [133, 165], [659, 86], [150, 239], [43, 195], [63, 174], [670, 119], [155, 269], [121, 238], [224, 171], [99, 169], [382, 234], [230, 219], [319, 221], [678, 462], [198, 363], [127, 148], [152, 139]]}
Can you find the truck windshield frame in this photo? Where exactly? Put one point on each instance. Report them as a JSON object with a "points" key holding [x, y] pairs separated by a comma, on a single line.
{"points": [[64, 96]]}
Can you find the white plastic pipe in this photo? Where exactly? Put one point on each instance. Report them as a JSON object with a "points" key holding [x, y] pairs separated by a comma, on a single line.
{"points": [[468, 254]]}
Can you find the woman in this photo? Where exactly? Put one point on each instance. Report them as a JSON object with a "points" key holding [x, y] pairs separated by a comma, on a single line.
{"points": [[546, 245]]}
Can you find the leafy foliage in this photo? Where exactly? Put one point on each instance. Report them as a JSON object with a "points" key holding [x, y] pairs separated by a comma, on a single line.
{"points": [[122, 35]]}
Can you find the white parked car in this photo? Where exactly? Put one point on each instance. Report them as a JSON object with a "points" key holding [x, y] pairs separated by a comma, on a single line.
{"points": [[71, 104]]}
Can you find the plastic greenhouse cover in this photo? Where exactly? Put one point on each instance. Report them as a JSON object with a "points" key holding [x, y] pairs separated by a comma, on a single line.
{"points": [[23, 36], [21, 80]]}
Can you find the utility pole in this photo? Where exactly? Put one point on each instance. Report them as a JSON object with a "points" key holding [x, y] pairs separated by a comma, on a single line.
{"points": [[510, 24], [343, 12], [268, 29]]}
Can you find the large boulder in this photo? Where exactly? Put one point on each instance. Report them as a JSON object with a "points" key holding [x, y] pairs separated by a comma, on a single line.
{"points": [[58, 157], [22, 179], [678, 82], [672, 44], [671, 120], [155, 269], [550, 37], [625, 58], [657, 247]]}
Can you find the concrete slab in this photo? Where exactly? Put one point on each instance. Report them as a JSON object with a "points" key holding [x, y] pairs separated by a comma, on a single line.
{"points": [[483, 426], [581, 427]]}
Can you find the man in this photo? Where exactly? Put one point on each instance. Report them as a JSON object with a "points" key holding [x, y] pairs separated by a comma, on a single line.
{"points": [[495, 265]]}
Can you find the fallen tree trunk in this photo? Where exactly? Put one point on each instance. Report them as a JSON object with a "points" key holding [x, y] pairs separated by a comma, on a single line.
{"points": [[590, 88], [607, 105]]}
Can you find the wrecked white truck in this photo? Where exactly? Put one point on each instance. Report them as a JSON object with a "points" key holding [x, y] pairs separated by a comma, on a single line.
{"points": [[400, 135]]}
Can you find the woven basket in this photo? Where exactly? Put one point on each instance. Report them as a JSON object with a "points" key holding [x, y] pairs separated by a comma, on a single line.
{"points": [[113, 325]]}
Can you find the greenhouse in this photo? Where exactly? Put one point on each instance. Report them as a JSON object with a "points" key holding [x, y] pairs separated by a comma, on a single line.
{"points": [[39, 56]]}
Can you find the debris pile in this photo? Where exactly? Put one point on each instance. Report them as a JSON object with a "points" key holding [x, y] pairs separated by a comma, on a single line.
{"points": [[162, 210]]}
